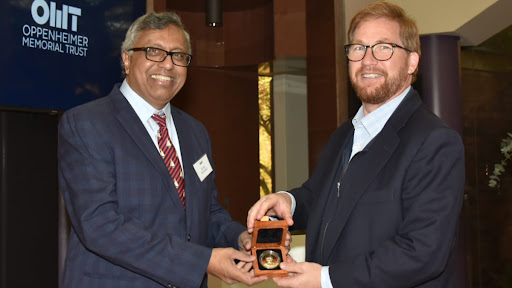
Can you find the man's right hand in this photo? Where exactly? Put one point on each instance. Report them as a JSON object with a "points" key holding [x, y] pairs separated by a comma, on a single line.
{"points": [[275, 204], [222, 264]]}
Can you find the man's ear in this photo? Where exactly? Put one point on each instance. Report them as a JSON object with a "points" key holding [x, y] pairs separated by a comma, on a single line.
{"points": [[414, 60], [126, 62]]}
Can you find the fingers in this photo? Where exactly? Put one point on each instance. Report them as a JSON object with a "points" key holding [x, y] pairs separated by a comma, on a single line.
{"points": [[244, 266], [222, 264], [255, 280], [285, 282], [246, 275], [304, 274], [248, 245], [289, 259], [288, 238], [239, 255], [291, 267], [264, 206], [257, 211], [287, 242], [245, 241], [275, 204], [288, 218]]}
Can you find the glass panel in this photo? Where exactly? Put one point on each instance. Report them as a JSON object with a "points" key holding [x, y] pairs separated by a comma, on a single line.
{"points": [[265, 130]]}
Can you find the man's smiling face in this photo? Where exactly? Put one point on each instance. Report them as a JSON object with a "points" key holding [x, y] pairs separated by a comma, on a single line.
{"points": [[377, 82], [156, 82]]}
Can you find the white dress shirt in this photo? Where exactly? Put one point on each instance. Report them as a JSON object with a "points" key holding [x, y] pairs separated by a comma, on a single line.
{"points": [[144, 110]]}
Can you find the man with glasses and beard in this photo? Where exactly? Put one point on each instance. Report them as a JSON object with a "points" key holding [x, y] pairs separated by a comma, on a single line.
{"points": [[381, 208]]}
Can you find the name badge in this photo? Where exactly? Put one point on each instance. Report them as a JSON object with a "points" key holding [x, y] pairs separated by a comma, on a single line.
{"points": [[203, 167]]}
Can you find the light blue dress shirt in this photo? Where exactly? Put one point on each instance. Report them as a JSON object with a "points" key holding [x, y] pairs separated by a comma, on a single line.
{"points": [[366, 127]]}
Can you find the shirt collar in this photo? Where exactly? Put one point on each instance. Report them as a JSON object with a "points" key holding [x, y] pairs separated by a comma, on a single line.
{"points": [[375, 121], [143, 109]]}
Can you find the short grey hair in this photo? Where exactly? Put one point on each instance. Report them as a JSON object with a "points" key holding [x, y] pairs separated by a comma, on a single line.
{"points": [[153, 21]]}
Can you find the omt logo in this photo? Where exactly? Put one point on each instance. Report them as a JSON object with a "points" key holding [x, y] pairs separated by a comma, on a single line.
{"points": [[42, 13]]}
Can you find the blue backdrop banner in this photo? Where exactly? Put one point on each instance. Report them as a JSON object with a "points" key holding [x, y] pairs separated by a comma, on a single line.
{"points": [[62, 53]]}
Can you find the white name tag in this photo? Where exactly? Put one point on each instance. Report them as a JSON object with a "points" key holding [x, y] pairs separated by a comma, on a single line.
{"points": [[203, 167]]}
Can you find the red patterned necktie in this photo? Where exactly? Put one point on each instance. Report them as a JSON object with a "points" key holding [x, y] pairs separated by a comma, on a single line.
{"points": [[169, 156]]}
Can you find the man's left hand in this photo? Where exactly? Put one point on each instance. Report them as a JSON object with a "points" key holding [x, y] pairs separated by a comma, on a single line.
{"points": [[303, 274]]}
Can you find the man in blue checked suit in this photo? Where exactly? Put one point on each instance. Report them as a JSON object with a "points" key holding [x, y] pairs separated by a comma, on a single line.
{"points": [[141, 218]]}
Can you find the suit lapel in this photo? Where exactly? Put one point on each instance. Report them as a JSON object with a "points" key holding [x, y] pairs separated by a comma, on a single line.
{"points": [[129, 120], [314, 232], [189, 156], [365, 167], [362, 169]]}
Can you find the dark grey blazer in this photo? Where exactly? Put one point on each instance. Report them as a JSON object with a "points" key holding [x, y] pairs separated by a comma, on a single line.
{"points": [[395, 221], [129, 228]]}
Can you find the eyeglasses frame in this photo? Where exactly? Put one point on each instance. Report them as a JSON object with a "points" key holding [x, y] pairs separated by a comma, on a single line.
{"points": [[145, 49], [393, 45]]}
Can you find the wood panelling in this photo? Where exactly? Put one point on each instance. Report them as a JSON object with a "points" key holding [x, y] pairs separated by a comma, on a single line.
{"points": [[226, 102], [289, 28], [246, 37], [326, 70]]}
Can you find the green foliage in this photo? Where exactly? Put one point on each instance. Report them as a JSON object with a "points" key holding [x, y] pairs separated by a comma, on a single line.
{"points": [[499, 168]]}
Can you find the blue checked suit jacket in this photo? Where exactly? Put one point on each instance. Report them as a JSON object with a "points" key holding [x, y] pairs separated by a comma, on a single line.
{"points": [[129, 228], [394, 223]]}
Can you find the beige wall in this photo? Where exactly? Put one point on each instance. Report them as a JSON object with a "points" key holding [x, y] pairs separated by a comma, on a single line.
{"points": [[473, 20]]}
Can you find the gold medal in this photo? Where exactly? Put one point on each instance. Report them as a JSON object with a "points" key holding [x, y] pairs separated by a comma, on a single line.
{"points": [[269, 259]]}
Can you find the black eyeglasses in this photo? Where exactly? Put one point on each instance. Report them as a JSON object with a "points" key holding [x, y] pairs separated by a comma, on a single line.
{"points": [[158, 55], [380, 51]]}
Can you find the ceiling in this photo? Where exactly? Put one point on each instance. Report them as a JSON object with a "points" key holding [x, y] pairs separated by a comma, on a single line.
{"points": [[500, 44], [494, 54]]}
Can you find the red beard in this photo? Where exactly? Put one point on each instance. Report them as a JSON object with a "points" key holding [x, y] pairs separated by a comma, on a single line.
{"points": [[382, 93]]}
